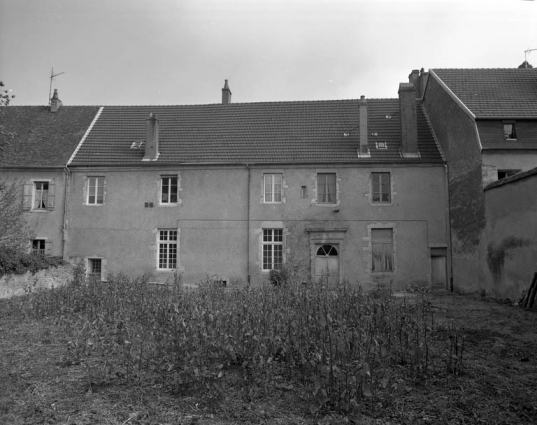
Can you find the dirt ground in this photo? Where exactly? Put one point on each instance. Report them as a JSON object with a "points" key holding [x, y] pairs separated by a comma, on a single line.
{"points": [[497, 383]]}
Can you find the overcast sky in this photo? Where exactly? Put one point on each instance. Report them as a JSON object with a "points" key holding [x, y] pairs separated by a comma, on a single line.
{"points": [[125, 52]]}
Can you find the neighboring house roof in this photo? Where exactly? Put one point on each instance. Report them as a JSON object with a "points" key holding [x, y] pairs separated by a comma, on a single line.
{"points": [[513, 178], [42, 138], [507, 93], [271, 132]]}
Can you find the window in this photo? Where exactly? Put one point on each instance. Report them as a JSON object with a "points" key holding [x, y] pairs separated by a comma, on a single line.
{"points": [[38, 246], [326, 188], [272, 249], [382, 250], [509, 131], [167, 249], [94, 268], [41, 196], [38, 196], [168, 190], [502, 174], [273, 187], [380, 188], [95, 191]]}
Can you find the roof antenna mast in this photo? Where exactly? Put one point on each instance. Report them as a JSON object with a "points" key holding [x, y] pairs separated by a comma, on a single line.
{"points": [[52, 75], [526, 55]]}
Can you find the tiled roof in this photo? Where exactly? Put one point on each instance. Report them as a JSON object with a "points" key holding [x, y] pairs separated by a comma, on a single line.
{"points": [[275, 132], [42, 138], [494, 93]]}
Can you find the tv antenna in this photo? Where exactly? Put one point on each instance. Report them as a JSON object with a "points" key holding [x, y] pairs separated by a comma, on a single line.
{"points": [[526, 54], [52, 75]]}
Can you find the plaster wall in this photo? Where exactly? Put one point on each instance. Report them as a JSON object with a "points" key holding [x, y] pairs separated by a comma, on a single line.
{"points": [[20, 284], [509, 257], [217, 239], [47, 225], [456, 133], [506, 160]]}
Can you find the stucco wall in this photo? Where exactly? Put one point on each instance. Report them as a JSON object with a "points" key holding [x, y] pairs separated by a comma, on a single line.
{"points": [[47, 225], [456, 133], [506, 160], [509, 257], [212, 221], [14, 285]]}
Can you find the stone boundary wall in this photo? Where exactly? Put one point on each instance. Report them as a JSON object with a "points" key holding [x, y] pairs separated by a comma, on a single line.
{"points": [[19, 284]]}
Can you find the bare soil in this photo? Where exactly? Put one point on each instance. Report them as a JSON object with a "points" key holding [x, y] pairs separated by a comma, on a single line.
{"points": [[497, 383]]}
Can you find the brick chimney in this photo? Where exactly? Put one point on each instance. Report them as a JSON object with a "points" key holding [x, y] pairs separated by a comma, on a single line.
{"points": [[55, 102], [151, 139], [226, 94], [363, 127], [409, 123]]}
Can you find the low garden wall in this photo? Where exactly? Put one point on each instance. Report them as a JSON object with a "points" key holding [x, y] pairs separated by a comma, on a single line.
{"points": [[19, 284]]}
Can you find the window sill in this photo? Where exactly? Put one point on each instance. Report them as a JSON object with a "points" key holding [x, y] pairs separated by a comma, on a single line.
{"points": [[39, 211], [169, 205], [94, 205]]}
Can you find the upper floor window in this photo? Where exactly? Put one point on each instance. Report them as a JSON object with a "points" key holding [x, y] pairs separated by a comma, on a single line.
{"points": [[326, 188], [167, 249], [272, 249], [381, 188], [169, 190], [272, 188], [38, 196], [95, 190], [41, 196], [509, 131]]}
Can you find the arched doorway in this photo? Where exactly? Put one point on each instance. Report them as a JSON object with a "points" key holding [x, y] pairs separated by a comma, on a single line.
{"points": [[327, 264]]}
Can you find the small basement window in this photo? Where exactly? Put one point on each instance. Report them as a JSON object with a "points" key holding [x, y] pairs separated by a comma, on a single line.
{"points": [[502, 174]]}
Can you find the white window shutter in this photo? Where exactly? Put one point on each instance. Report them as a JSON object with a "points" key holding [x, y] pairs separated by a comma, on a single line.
{"points": [[27, 196], [104, 190], [51, 195], [48, 248]]}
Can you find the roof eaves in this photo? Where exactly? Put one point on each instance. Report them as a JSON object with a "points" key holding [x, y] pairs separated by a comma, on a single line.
{"points": [[85, 135], [455, 98]]}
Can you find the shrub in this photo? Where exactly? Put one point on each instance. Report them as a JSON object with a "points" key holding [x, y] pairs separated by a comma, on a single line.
{"points": [[14, 261]]}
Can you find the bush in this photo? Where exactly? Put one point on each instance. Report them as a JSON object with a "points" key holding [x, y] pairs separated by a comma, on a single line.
{"points": [[12, 261]]}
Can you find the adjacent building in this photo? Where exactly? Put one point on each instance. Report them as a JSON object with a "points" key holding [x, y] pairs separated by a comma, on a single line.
{"points": [[486, 123]]}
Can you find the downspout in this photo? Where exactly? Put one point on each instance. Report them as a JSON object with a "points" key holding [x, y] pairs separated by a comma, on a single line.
{"points": [[67, 173], [248, 226], [448, 225]]}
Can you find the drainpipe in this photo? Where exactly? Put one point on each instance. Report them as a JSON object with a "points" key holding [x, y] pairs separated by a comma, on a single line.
{"points": [[448, 225], [248, 226], [67, 173]]}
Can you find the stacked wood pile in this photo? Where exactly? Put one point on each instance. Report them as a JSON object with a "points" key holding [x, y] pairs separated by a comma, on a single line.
{"points": [[528, 298]]}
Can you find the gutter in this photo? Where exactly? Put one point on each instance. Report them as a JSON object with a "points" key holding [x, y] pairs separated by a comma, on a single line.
{"points": [[248, 225], [67, 185]]}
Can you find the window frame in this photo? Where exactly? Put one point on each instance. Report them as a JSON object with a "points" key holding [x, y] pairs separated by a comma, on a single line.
{"points": [[92, 262], [39, 251], [380, 192], [270, 248], [380, 241], [507, 172], [89, 187], [509, 134], [170, 193], [326, 185], [42, 191], [171, 257], [272, 188]]}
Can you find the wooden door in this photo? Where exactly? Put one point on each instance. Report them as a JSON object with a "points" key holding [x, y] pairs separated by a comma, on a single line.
{"points": [[327, 264], [438, 273]]}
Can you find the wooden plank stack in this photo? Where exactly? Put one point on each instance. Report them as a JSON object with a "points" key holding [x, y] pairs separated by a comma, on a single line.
{"points": [[528, 298]]}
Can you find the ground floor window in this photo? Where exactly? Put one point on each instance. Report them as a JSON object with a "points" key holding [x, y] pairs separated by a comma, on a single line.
{"points": [[95, 268], [272, 249], [38, 246], [382, 250], [167, 249]]}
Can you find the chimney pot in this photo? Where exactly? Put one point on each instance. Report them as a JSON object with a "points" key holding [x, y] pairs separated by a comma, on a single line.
{"points": [[55, 102], [226, 94]]}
